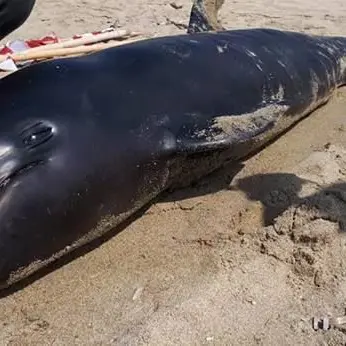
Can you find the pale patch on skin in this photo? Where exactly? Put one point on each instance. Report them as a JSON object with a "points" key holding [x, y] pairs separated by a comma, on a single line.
{"points": [[251, 54], [249, 123], [315, 82], [281, 63], [254, 56], [5, 150], [7, 168], [342, 64], [222, 49], [279, 96], [253, 126], [259, 67]]}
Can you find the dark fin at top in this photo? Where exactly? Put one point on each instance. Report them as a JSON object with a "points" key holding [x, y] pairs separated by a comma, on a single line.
{"points": [[203, 16]]}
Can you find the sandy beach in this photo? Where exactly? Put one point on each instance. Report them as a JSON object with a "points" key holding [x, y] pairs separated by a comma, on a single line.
{"points": [[245, 257]]}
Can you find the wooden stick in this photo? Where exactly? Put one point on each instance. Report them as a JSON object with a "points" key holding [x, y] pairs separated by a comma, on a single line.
{"points": [[106, 36], [118, 34], [51, 53]]}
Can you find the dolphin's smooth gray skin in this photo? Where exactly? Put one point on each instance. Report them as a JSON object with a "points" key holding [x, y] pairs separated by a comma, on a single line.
{"points": [[86, 141]]}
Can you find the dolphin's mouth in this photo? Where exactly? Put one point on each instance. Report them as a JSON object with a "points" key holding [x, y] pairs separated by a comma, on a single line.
{"points": [[7, 179]]}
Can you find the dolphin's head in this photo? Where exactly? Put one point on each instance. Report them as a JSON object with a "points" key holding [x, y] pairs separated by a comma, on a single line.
{"points": [[61, 166]]}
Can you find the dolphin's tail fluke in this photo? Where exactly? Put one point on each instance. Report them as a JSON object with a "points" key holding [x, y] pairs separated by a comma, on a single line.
{"points": [[203, 16]]}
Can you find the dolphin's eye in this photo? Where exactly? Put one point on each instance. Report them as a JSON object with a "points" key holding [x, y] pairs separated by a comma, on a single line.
{"points": [[36, 135]]}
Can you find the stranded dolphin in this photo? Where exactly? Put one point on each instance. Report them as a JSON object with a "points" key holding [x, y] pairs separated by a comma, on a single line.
{"points": [[86, 141]]}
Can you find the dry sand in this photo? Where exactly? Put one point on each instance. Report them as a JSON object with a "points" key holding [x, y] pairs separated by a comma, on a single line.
{"points": [[245, 257]]}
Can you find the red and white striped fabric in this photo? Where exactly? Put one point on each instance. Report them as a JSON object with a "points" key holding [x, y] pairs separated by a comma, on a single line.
{"points": [[18, 46]]}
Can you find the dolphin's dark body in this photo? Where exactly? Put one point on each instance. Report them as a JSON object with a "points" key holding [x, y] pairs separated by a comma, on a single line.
{"points": [[86, 141]]}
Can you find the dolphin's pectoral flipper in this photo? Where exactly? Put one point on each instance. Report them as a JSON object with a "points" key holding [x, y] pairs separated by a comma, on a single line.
{"points": [[228, 138], [203, 16], [226, 131]]}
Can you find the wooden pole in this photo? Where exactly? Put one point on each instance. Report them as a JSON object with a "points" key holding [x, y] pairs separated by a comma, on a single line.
{"points": [[106, 36], [63, 52]]}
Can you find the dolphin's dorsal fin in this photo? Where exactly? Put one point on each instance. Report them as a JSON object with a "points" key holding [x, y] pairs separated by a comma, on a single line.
{"points": [[203, 16]]}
